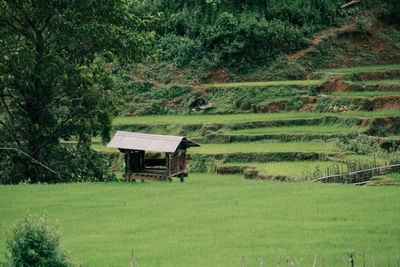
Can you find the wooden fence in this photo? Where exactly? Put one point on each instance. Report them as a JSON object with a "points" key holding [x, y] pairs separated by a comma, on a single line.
{"points": [[351, 261], [358, 177]]}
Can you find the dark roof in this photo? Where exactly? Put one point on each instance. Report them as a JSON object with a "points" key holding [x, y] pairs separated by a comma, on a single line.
{"points": [[149, 142]]}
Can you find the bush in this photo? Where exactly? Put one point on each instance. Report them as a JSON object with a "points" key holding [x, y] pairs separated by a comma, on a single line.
{"points": [[32, 242]]}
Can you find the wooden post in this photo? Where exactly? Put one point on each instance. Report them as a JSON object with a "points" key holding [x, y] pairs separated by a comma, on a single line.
{"points": [[242, 263], [323, 262], [389, 261], [397, 261], [373, 261], [279, 261], [128, 162], [315, 260], [133, 260], [261, 260], [168, 164], [363, 258]]}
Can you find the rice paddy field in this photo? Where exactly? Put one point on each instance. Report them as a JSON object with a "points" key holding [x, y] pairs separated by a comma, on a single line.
{"points": [[366, 93], [304, 129], [297, 170], [363, 69], [268, 83], [213, 220], [246, 117], [270, 146]]}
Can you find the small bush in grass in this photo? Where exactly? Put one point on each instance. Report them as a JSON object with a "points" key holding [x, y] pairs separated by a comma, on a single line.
{"points": [[32, 242]]}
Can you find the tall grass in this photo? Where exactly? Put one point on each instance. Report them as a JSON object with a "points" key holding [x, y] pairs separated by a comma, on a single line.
{"points": [[212, 220]]}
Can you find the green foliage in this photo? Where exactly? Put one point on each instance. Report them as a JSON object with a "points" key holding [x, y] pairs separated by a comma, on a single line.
{"points": [[201, 163], [33, 242], [236, 34], [56, 81], [333, 104], [361, 144], [391, 35]]}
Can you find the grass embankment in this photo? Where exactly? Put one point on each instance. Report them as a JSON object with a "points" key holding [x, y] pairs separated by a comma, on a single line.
{"points": [[270, 146], [247, 117], [307, 129], [362, 69], [374, 82], [295, 169], [267, 83], [366, 94], [213, 220]]}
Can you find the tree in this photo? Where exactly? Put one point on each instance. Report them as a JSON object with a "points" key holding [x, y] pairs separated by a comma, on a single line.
{"points": [[56, 82], [33, 242]]}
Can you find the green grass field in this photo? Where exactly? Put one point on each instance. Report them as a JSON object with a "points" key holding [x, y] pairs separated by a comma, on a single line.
{"points": [[213, 220], [363, 69], [267, 83], [307, 129], [247, 117], [268, 146]]}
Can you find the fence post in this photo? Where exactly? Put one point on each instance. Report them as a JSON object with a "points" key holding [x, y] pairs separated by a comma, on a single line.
{"points": [[315, 260], [373, 261], [133, 259], [261, 261], [389, 261], [279, 261], [363, 258], [323, 262], [242, 263], [397, 261]]}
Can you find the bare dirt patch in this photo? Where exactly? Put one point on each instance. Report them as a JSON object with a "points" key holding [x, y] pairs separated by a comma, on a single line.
{"points": [[338, 85]]}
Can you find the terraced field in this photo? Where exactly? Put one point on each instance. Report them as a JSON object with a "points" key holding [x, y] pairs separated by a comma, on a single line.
{"points": [[307, 129], [258, 147], [288, 143]]}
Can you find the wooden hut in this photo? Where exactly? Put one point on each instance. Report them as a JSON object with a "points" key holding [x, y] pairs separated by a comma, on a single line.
{"points": [[138, 167]]}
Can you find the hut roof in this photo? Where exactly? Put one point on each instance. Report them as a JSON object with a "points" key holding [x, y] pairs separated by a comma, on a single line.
{"points": [[149, 142]]}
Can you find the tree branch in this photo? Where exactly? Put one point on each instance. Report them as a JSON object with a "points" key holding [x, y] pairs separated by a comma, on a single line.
{"points": [[32, 159]]}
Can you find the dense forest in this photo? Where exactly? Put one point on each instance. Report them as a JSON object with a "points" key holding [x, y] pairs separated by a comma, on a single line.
{"points": [[240, 34]]}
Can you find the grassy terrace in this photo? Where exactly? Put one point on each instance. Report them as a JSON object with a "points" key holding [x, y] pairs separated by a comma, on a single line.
{"points": [[268, 83], [246, 117], [213, 220], [307, 129], [366, 93], [362, 69], [373, 82], [255, 147], [296, 169]]}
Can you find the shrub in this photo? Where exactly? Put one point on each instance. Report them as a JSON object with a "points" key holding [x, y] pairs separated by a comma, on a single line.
{"points": [[32, 242]]}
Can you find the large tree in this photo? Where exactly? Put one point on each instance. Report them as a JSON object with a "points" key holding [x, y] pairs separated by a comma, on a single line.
{"points": [[56, 83]]}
